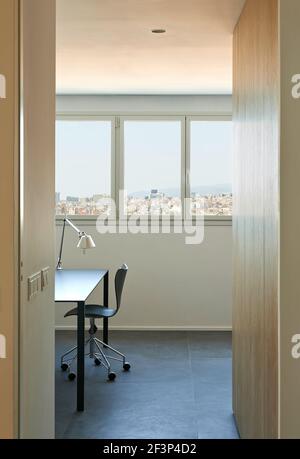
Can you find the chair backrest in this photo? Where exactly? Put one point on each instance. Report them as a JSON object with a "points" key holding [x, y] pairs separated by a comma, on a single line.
{"points": [[119, 283]]}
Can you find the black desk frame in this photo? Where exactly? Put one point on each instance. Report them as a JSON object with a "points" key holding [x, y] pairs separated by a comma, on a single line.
{"points": [[81, 340]]}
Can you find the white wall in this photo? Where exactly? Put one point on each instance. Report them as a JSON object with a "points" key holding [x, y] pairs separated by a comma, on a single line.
{"points": [[170, 285], [139, 104]]}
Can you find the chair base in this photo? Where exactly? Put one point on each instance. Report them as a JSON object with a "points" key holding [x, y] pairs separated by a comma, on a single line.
{"points": [[96, 352]]}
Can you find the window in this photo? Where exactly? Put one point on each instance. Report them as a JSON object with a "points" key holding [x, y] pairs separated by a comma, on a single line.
{"points": [[157, 160], [211, 167], [152, 155], [83, 166]]}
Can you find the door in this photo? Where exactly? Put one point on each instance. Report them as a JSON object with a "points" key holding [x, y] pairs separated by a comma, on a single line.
{"points": [[37, 152], [9, 218]]}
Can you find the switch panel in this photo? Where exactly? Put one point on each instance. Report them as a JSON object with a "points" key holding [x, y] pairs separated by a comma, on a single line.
{"points": [[2, 347], [34, 282], [45, 277], [2, 87]]}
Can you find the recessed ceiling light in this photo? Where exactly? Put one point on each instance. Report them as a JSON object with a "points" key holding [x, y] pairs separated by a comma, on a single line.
{"points": [[158, 30]]}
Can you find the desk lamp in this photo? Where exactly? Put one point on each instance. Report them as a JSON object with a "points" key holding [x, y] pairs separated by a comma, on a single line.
{"points": [[85, 241]]}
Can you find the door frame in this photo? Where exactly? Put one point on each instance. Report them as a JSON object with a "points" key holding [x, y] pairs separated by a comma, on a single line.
{"points": [[9, 228]]}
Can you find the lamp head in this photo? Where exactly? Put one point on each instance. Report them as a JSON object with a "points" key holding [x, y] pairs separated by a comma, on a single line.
{"points": [[85, 242]]}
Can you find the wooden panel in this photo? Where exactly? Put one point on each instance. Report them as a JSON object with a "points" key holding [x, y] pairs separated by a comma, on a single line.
{"points": [[256, 219], [37, 222], [9, 213], [290, 219]]}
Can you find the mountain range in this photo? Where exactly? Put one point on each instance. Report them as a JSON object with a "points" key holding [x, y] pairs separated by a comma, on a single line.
{"points": [[201, 190]]}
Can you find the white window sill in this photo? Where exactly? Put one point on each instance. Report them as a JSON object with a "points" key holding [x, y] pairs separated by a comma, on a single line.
{"points": [[90, 220]]}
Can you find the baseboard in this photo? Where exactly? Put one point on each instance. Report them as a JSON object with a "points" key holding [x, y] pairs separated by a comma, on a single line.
{"points": [[153, 328]]}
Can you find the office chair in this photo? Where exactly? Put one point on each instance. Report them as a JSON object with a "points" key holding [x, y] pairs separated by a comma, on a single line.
{"points": [[92, 312]]}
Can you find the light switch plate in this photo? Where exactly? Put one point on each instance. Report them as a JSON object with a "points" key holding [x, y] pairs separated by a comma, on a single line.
{"points": [[45, 277], [34, 285], [2, 347]]}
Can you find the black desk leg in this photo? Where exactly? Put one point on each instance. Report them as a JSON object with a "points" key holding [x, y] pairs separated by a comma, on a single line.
{"points": [[80, 356], [105, 303]]}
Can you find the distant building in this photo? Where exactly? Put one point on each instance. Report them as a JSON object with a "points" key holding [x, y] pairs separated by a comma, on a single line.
{"points": [[156, 194], [72, 199], [99, 197], [84, 201], [57, 198]]}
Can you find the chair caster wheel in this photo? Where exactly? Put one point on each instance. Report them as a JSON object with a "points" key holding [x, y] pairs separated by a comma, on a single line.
{"points": [[64, 366], [97, 362], [71, 376], [126, 366], [112, 376]]}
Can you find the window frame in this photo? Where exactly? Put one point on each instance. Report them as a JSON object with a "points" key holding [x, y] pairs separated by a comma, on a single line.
{"points": [[117, 155], [121, 171], [112, 119], [189, 119]]}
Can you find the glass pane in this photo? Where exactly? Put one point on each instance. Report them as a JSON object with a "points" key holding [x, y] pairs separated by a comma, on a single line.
{"points": [[211, 167], [83, 167], [152, 167]]}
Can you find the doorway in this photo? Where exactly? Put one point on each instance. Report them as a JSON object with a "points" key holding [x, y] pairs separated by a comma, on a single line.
{"points": [[135, 119]]}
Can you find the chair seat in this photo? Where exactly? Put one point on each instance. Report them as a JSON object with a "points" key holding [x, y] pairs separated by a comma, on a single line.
{"points": [[93, 311]]}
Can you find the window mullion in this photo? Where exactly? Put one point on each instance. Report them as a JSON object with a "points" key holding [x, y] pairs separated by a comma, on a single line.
{"points": [[187, 161], [183, 165], [118, 165]]}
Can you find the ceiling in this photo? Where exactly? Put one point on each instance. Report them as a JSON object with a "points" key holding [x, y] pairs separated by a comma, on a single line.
{"points": [[107, 47]]}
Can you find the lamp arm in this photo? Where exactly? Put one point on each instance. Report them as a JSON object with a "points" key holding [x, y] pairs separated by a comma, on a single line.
{"points": [[73, 226], [58, 266], [66, 220]]}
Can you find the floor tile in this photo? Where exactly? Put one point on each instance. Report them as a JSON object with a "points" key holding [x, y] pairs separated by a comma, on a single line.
{"points": [[179, 387], [150, 421], [210, 344]]}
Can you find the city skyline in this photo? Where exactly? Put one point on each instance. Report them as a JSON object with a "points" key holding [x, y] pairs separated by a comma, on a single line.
{"points": [[154, 203], [214, 190]]}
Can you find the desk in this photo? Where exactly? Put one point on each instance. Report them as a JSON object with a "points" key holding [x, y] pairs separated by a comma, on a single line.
{"points": [[75, 286]]}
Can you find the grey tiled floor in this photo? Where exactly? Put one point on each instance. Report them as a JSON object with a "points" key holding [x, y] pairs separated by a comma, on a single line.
{"points": [[179, 388]]}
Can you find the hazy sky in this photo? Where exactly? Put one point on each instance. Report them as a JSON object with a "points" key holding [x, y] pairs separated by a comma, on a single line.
{"points": [[152, 155], [211, 153], [83, 158]]}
